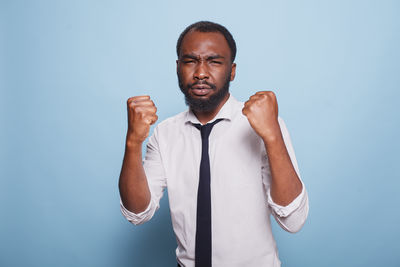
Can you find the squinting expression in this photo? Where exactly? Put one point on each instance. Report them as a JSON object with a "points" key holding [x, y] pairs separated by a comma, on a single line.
{"points": [[205, 69]]}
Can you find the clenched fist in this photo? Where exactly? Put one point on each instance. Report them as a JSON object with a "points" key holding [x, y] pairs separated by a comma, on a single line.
{"points": [[262, 112], [141, 114]]}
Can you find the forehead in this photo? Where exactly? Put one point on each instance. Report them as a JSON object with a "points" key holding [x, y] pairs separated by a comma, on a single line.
{"points": [[205, 43]]}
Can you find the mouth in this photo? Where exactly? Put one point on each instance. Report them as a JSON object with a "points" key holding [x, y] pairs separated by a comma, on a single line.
{"points": [[201, 89]]}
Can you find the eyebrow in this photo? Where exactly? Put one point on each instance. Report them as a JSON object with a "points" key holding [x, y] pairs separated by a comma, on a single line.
{"points": [[211, 57], [215, 57]]}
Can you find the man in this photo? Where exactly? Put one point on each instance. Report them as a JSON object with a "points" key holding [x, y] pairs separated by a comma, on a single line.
{"points": [[228, 166]]}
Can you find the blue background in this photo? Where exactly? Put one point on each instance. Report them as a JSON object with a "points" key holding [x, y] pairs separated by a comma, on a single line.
{"points": [[67, 68]]}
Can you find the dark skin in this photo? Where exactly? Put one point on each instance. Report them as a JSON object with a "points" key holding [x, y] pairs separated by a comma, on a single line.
{"points": [[206, 57]]}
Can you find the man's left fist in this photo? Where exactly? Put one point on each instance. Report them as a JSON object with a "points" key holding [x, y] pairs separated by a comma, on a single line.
{"points": [[262, 112]]}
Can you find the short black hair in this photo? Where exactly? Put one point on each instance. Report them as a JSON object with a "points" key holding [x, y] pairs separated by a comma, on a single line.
{"points": [[208, 26]]}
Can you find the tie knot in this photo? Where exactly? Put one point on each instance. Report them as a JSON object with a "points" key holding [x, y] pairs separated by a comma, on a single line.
{"points": [[205, 129]]}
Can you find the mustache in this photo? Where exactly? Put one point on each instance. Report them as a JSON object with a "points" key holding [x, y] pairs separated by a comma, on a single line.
{"points": [[211, 85]]}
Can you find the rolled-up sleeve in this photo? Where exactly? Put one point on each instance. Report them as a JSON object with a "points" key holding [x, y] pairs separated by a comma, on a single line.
{"points": [[293, 216], [155, 175], [139, 218]]}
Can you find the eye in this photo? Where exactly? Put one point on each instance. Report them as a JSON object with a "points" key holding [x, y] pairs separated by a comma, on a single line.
{"points": [[216, 62], [188, 61]]}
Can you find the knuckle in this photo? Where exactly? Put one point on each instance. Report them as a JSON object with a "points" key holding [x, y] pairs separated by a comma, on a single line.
{"points": [[137, 109], [142, 116], [131, 107], [263, 96]]}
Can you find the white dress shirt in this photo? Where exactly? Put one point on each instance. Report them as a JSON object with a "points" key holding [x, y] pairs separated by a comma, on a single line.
{"points": [[241, 203]]}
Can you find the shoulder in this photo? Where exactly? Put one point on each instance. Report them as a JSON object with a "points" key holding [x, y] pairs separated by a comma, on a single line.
{"points": [[171, 124], [236, 104], [174, 120]]}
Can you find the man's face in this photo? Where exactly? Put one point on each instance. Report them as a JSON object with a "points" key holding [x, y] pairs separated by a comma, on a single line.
{"points": [[205, 69]]}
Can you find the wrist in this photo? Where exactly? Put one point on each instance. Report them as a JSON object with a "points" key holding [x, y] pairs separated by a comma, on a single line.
{"points": [[133, 144], [272, 136], [272, 132]]}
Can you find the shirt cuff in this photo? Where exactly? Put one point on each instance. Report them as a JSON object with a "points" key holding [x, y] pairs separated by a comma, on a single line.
{"points": [[284, 211], [138, 218]]}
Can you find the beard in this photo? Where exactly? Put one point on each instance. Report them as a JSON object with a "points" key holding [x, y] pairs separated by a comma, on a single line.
{"points": [[204, 105]]}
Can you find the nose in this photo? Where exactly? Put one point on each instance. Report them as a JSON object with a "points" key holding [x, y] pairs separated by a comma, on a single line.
{"points": [[201, 71]]}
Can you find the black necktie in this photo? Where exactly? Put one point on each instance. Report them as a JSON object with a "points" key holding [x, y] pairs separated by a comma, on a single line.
{"points": [[203, 220]]}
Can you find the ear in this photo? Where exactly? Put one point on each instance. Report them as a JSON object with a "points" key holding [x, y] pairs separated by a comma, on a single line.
{"points": [[233, 72], [177, 65]]}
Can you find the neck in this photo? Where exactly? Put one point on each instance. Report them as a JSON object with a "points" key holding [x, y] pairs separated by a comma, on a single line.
{"points": [[206, 116]]}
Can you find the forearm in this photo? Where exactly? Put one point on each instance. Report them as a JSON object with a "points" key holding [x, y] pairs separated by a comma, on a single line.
{"points": [[285, 183], [133, 186]]}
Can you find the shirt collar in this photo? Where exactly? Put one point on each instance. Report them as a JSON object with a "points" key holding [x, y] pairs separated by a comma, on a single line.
{"points": [[226, 112]]}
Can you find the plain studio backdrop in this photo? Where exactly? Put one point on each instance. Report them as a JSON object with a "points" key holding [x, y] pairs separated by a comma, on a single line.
{"points": [[68, 67]]}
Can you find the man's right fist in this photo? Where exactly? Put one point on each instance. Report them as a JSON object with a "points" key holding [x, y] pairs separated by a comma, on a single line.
{"points": [[141, 114]]}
